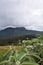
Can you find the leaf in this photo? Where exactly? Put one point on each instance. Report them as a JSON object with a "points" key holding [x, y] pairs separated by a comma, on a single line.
{"points": [[29, 63]]}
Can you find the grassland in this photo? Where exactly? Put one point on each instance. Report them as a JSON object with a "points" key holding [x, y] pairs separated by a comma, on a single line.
{"points": [[29, 52]]}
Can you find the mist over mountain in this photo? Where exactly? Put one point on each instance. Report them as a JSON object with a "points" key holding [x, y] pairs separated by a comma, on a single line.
{"points": [[22, 13]]}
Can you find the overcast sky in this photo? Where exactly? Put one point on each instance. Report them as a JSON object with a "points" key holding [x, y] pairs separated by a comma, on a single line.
{"points": [[21, 13]]}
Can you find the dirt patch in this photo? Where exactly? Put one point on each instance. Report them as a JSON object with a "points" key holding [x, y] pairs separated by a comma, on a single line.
{"points": [[4, 47]]}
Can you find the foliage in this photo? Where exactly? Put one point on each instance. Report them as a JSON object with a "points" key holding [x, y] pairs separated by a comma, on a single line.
{"points": [[31, 53]]}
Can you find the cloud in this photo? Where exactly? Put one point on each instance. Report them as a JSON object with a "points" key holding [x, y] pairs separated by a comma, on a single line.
{"points": [[18, 13]]}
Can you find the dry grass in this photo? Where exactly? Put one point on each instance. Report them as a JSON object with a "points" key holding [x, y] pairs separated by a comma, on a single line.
{"points": [[4, 47], [7, 47]]}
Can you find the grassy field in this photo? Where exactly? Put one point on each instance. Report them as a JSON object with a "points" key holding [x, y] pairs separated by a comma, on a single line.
{"points": [[29, 53], [4, 49]]}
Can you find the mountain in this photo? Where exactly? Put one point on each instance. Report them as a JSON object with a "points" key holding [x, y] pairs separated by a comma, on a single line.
{"points": [[14, 32]]}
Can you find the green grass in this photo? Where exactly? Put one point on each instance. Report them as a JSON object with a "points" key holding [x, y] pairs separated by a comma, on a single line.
{"points": [[2, 52], [33, 55]]}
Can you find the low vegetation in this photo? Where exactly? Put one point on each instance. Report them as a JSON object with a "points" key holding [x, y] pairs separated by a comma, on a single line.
{"points": [[28, 52]]}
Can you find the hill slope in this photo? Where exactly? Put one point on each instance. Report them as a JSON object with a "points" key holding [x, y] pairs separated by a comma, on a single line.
{"points": [[14, 32]]}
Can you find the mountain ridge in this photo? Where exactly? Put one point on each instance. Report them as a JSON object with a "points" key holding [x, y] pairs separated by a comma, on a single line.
{"points": [[10, 32]]}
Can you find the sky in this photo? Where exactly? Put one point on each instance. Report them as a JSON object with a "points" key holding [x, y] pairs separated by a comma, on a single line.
{"points": [[21, 13]]}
